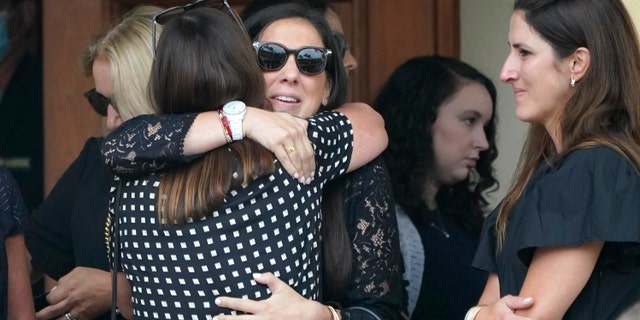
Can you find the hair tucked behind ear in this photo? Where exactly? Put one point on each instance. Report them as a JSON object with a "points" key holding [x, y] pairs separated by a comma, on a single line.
{"points": [[605, 108], [203, 61]]}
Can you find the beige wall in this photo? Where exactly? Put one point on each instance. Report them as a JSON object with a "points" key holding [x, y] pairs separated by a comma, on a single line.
{"points": [[633, 6], [483, 32], [484, 27]]}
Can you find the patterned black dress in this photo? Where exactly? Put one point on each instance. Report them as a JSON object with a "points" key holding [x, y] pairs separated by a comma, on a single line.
{"points": [[269, 225]]}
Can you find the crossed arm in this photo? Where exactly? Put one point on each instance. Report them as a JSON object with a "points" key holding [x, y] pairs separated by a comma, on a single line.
{"points": [[555, 278]]}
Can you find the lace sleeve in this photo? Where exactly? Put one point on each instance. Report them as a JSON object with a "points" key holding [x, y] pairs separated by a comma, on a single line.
{"points": [[147, 143], [377, 288]]}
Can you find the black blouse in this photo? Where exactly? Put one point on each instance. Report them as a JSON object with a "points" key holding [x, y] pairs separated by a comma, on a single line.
{"points": [[592, 195], [67, 230]]}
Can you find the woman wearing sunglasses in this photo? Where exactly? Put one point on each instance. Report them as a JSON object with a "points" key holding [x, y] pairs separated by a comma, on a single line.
{"points": [[343, 47], [65, 237], [234, 212], [311, 78]]}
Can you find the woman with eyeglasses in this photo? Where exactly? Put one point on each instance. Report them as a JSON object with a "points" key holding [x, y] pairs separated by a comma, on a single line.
{"points": [[213, 226], [361, 265], [66, 237]]}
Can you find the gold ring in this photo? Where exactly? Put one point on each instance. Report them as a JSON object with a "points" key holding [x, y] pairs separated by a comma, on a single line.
{"points": [[290, 149]]}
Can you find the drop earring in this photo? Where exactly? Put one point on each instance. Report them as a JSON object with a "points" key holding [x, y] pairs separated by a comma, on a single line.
{"points": [[573, 82]]}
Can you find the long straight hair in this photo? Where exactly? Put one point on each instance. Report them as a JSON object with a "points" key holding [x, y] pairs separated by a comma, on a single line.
{"points": [[203, 61], [605, 108], [336, 244]]}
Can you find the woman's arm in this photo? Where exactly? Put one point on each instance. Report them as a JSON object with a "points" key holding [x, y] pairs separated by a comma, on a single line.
{"points": [[150, 143], [20, 298], [369, 135], [491, 291], [556, 276], [125, 306]]}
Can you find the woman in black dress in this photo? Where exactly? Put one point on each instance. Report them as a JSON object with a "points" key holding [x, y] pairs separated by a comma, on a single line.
{"points": [[568, 231], [440, 116]]}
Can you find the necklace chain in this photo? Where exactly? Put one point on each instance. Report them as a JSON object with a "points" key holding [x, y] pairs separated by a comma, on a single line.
{"points": [[441, 226]]}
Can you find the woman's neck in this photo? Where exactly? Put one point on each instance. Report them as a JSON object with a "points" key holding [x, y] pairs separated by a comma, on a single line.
{"points": [[429, 195]]}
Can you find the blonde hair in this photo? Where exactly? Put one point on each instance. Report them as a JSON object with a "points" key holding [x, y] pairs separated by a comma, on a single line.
{"points": [[127, 46]]}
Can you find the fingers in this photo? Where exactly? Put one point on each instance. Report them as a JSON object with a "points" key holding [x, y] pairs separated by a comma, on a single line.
{"points": [[517, 303], [268, 279], [238, 304], [306, 158], [296, 152], [53, 311], [285, 136]]}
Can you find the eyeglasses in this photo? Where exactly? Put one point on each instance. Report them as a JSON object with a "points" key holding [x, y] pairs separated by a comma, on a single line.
{"points": [[341, 43], [167, 14], [273, 56], [99, 102]]}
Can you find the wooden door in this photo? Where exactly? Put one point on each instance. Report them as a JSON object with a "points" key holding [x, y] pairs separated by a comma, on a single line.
{"points": [[382, 34]]}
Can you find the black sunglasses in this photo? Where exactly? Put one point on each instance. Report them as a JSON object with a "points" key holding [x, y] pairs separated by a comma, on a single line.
{"points": [[273, 56], [99, 102], [341, 43], [167, 14]]}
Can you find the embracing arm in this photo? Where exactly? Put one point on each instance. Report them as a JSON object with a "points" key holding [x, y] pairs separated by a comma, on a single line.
{"points": [[151, 143], [369, 136]]}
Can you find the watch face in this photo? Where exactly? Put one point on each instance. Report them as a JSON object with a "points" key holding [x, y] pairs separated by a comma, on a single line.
{"points": [[234, 107]]}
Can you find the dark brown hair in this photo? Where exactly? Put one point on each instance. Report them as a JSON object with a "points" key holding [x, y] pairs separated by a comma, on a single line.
{"points": [[203, 61], [605, 108]]}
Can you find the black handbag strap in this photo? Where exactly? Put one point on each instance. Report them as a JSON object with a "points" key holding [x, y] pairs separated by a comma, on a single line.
{"points": [[116, 254]]}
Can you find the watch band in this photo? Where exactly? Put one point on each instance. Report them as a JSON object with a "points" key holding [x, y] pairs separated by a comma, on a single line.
{"points": [[235, 126], [234, 112]]}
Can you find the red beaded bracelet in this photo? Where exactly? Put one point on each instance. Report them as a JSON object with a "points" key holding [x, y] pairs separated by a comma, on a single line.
{"points": [[226, 129]]}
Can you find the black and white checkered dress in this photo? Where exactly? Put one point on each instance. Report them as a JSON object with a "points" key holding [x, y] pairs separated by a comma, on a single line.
{"points": [[271, 225]]}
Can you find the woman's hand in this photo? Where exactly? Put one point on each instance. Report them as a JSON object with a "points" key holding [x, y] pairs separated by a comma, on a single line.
{"points": [[285, 136], [284, 303], [505, 308], [85, 293]]}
